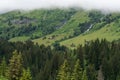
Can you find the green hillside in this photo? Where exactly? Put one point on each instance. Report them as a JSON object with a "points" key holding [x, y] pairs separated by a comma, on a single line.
{"points": [[66, 31], [75, 30], [34, 24], [110, 32], [105, 29], [68, 27]]}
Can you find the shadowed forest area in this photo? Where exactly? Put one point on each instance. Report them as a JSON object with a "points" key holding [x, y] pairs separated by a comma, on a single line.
{"points": [[29, 61]]}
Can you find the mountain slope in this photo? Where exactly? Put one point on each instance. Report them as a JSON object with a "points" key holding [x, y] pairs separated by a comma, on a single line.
{"points": [[67, 30], [85, 26], [68, 27], [32, 24], [110, 32]]}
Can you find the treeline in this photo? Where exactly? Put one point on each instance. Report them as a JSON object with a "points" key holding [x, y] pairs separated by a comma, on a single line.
{"points": [[37, 62]]}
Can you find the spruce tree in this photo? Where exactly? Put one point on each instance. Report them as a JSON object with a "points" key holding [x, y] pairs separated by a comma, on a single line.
{"points": [[84, 76], [15, 66], [91, 72], [77, 72], [3, 67], [64, 72], [26, 75]]}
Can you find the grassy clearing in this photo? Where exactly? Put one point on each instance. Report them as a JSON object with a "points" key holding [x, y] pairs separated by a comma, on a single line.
{"points": [[108, 32], [22, 38], [49, 40]]}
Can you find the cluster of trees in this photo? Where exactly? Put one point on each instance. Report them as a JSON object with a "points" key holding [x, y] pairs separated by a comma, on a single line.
{"points": [[82, 28], [67, 73], [29, 61], [14, 70]]}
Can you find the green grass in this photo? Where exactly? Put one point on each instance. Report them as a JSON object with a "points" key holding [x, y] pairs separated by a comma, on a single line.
{"points": [[66, 30], [22, 38], [109, 32], [79, 17], [49, 41]]}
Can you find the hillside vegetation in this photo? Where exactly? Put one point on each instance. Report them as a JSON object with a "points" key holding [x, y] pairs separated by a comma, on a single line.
{"points": [[33, 24], [69, 27], [85, 26]]}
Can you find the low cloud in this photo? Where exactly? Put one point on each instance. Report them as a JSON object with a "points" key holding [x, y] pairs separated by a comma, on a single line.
{"points": [[104, 5]]}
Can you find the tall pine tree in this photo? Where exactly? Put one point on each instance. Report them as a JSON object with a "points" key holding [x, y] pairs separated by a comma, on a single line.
{"points": [[84, 76], [3, 67], [64, 72], [15, 66], [77, 72], [26, 75]]}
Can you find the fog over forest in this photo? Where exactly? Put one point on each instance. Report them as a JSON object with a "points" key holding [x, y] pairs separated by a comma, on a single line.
{"points": [[103, 5]]}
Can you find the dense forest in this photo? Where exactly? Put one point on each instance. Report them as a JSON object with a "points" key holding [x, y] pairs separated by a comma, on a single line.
{"points": [[29, 61]]}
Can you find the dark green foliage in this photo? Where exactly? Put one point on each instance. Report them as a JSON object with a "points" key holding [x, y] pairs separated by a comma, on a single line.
{"points": [[3, 67], [80, 55], [44, 62], [111, 66], [91, 72], [95, 16]]}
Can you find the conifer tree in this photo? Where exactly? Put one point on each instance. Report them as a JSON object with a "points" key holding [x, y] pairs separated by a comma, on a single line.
{"points": [[77, 72], [80, 55], [3, 67], [64, 72], [91, 72], [26, 75], [84, 76], [15, 66]]}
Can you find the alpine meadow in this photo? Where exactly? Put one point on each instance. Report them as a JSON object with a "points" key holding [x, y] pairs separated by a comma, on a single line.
{"points": [[59, 40]]}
